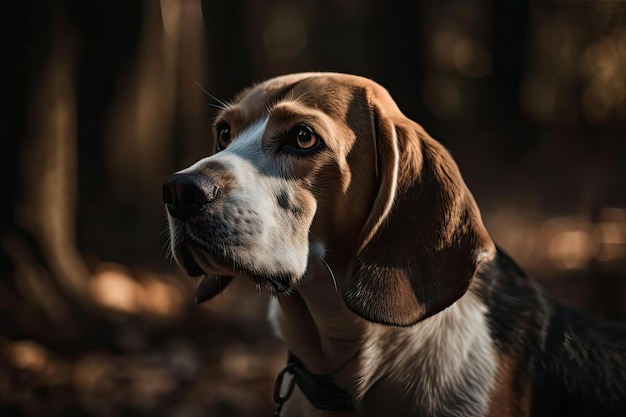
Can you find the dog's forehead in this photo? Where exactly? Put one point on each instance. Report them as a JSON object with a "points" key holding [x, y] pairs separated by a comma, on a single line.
{"points": [[339, 95], [323, 92]]}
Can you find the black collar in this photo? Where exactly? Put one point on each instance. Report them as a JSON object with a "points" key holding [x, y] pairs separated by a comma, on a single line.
{"points": [[320, 390]]}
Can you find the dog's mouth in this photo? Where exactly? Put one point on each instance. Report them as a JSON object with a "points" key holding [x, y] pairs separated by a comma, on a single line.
{"points": [[210, 286], [217, 273]]}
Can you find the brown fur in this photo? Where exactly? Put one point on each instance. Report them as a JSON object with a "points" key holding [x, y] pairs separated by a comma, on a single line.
{"points": [[503, 401]]}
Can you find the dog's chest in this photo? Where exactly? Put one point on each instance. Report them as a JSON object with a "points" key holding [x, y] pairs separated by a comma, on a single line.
{"points": [[443, 366]]}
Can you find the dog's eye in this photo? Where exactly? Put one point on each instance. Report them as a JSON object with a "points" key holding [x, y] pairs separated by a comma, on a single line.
{"points": [[302, 139], [223, 136], [305, 138]]}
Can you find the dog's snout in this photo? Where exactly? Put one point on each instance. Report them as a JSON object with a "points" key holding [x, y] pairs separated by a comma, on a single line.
{"points": [[184, 195]]}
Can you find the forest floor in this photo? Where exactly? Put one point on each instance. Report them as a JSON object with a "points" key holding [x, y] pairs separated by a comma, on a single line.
{"points": [[151, 352]]}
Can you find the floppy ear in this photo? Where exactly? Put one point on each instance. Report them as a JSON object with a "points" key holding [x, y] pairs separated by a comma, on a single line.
{"points": [[424, 237]]}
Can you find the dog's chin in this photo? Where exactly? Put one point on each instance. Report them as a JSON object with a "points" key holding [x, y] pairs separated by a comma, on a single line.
{"points": [[213, 284], [218, 274]]}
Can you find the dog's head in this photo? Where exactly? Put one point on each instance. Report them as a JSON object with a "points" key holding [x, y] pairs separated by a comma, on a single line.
{"points": [[322, 164]]}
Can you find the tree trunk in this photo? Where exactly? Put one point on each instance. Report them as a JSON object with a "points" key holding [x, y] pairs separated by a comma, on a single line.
{"points": [[44, 279]]}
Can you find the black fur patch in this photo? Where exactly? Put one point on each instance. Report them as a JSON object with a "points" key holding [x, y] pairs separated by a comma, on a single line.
{"points": [[576, 362]]}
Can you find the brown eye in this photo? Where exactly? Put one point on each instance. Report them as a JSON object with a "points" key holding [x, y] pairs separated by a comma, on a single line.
{"points": [[301, 140], [223, 136], [305, 138]]}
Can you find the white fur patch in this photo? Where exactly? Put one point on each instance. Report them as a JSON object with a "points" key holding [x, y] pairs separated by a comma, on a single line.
{"points": [[442, 366]]}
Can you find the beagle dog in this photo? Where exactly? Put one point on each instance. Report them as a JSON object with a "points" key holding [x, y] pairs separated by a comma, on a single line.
{"points": [[386, 283]]}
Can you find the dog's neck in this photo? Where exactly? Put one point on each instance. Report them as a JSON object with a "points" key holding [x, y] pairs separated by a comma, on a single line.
{"points": [[316, 324], [445, 359]]}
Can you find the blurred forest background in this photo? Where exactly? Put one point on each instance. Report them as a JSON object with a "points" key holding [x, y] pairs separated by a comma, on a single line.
{"points": [[103, 100]]}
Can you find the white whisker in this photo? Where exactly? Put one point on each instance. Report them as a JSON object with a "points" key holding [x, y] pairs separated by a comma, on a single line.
{"points": [[222, 104], [332, 275]]}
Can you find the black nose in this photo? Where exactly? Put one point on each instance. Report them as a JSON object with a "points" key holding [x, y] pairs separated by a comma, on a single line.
{"points": [[184, 195]]}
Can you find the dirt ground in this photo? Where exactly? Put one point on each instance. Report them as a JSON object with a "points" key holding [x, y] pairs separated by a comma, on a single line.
{"points": [[159, 355]]}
